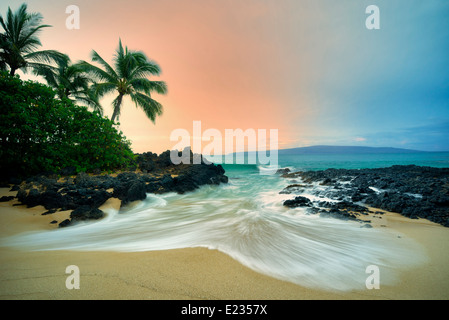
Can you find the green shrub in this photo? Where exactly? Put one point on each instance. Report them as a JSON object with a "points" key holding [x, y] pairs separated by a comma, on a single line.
{"points": [[39, 133]]}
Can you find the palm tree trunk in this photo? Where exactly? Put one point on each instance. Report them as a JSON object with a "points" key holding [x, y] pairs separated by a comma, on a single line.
{"points": [[12, 71], [117, 107]]}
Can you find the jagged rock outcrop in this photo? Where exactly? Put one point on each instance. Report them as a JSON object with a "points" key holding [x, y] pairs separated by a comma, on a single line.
{"points": [[413, 191], [85, 193]]}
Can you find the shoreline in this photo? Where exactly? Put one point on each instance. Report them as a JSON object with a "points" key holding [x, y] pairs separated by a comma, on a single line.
{"points": [[193, 273], [413, 191]]}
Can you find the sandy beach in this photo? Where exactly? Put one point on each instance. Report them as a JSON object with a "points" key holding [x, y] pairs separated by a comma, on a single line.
{"points": [[192, 273]]}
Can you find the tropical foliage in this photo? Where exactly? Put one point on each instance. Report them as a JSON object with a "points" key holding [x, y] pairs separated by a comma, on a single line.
{"points": [[128, 77], [70, 81], [20, 40], [39, 133], [41, 127]]}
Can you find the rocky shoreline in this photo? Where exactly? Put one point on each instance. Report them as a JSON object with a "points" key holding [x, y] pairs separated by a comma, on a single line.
{"points": [[412, 191], [84, 193]]}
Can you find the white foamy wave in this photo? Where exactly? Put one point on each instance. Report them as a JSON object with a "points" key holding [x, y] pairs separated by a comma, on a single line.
{"points": [[267, 170]]}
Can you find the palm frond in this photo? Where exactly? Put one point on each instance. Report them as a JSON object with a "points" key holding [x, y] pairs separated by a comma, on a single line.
{"points": [[28, 39], [148, 86], [90, 100], [103, 88], [151, 107], [144, 70], [97, 72], [124, 61], [46, 71], [97, 58], [128, 77], [48, 56], [20, 39]]}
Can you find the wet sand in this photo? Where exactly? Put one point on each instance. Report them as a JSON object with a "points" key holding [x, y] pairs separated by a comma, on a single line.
{"points": [[192, 273]]}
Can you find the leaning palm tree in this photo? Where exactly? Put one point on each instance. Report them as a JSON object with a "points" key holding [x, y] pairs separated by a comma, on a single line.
{"points": [[70, 81], [19, 41], [129, 77]]}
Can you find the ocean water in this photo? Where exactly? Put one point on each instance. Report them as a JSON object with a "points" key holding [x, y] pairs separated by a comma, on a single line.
{"points": [[360, 161], [246, 220]]}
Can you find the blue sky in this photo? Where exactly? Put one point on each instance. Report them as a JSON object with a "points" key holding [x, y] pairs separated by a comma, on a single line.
{"points": [[387, 87]]}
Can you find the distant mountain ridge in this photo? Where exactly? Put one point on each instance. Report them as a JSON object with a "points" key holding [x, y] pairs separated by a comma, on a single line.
{"points": [[323, 149]]}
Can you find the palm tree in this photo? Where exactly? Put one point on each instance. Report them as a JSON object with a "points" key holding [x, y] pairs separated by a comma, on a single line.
{"points": [[19, 41], [129, 77], [69, 80]]}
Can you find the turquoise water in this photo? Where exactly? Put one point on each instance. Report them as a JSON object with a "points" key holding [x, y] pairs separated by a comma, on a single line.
{"points": [[360, 161], [246, 220]]}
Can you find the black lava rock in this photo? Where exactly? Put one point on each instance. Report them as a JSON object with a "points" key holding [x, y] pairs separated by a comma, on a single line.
{"points": [[410, 190], [6, 198], [85, 193], [136, 191], [86, 213], [64, 223], [298, 202]]}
